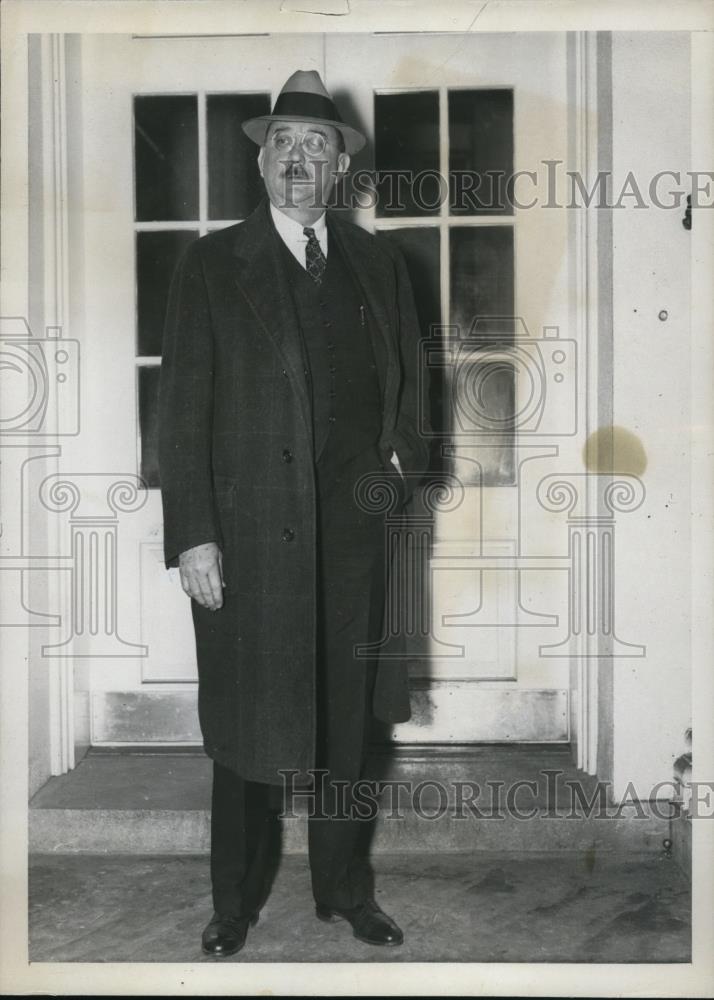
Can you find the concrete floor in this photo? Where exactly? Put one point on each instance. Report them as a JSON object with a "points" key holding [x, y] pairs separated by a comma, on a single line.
{"points": [[569, 907]]}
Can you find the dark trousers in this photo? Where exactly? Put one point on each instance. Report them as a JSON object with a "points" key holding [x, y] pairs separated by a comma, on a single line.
{"points": [[351, 560]]}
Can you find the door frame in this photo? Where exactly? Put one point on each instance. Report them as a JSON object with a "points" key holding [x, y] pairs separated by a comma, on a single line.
{"points": [[590, 147]]}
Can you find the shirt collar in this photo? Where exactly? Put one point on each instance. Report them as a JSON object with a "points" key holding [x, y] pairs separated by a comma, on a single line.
{"points": [[290, 230]]}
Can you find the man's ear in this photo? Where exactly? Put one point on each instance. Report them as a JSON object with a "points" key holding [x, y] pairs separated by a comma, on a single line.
{"points": [[343, 162], [261, 155]]}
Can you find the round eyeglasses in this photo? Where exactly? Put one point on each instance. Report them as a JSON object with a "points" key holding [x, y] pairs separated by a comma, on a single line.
{"points": [[311, 143]]}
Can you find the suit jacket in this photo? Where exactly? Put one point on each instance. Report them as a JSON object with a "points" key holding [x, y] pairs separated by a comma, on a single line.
{"points": [[233, 400]]}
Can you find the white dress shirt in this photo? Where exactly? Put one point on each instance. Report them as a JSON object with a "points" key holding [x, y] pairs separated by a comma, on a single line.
{"points": [[292, 235]]}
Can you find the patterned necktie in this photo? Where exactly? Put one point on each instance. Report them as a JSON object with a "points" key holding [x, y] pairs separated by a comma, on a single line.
{"points": [[314, 257]]}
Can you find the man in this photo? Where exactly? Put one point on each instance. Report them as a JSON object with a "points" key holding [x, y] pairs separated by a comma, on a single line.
{"points": [[288, 374]]}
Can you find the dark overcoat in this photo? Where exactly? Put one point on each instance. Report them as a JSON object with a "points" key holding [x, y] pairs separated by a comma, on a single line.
{"points": [[237, 467]]}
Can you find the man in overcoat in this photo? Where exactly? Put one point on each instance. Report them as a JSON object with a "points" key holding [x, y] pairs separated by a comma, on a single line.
{"points": [[289, 373]]}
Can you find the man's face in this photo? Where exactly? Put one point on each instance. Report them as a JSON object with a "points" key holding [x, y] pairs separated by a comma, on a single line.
{"points": [[298, 178]]}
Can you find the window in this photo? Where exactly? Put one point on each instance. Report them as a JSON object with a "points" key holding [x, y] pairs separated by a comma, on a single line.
{"points": [[194, 171], [444, 157], [450, 214]]}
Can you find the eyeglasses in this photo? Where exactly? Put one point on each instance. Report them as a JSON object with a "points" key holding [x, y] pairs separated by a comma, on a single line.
{"points": [[311, 143]]}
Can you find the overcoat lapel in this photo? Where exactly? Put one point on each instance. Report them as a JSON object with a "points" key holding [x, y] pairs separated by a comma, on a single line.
{"points": [[370, 279], [262, 282]]}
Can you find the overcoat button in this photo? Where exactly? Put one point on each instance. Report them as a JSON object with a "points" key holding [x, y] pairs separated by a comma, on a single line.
{"points": [[288, 534], [287, 455]]}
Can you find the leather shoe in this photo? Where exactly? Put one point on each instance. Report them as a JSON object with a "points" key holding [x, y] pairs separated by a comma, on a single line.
{"points": [[226, 935], [369, 923]]}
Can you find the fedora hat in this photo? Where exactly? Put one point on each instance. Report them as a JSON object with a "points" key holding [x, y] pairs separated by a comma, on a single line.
{"points": [[304, 98]]}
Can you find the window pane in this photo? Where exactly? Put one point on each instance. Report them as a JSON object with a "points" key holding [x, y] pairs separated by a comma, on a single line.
{"points": [[156, 257], [483, 385], [480, 151], [166, 158], [234, 183], [482, 286], [406, 132], [148, 423]]}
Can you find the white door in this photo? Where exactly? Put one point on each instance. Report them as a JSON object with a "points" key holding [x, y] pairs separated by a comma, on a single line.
{"points": [[164, 160]]}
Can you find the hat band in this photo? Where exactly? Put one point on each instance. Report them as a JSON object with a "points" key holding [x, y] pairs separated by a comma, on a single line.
{"points": [[306, 106]]}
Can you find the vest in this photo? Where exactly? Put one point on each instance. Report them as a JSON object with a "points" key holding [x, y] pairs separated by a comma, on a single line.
{"points": [[346, 398]]}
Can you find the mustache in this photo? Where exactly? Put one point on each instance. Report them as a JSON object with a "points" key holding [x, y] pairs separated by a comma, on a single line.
{"points": [[296, 171]]}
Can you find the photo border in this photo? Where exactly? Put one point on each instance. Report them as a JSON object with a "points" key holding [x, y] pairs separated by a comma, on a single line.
{"points": [[19, 18]]}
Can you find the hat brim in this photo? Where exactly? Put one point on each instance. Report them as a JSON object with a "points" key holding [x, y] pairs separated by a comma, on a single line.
{"points": [[256, 129]]}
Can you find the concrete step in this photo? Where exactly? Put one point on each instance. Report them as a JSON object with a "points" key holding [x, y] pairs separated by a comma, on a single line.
{"points": [[526, 797]]}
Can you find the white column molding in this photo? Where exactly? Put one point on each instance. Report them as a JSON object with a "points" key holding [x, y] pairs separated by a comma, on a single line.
{"points": [[55, 219], [585, 313]]}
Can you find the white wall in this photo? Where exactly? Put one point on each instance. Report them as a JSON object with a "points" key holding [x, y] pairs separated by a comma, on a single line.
{"points": [[651, 392]]}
